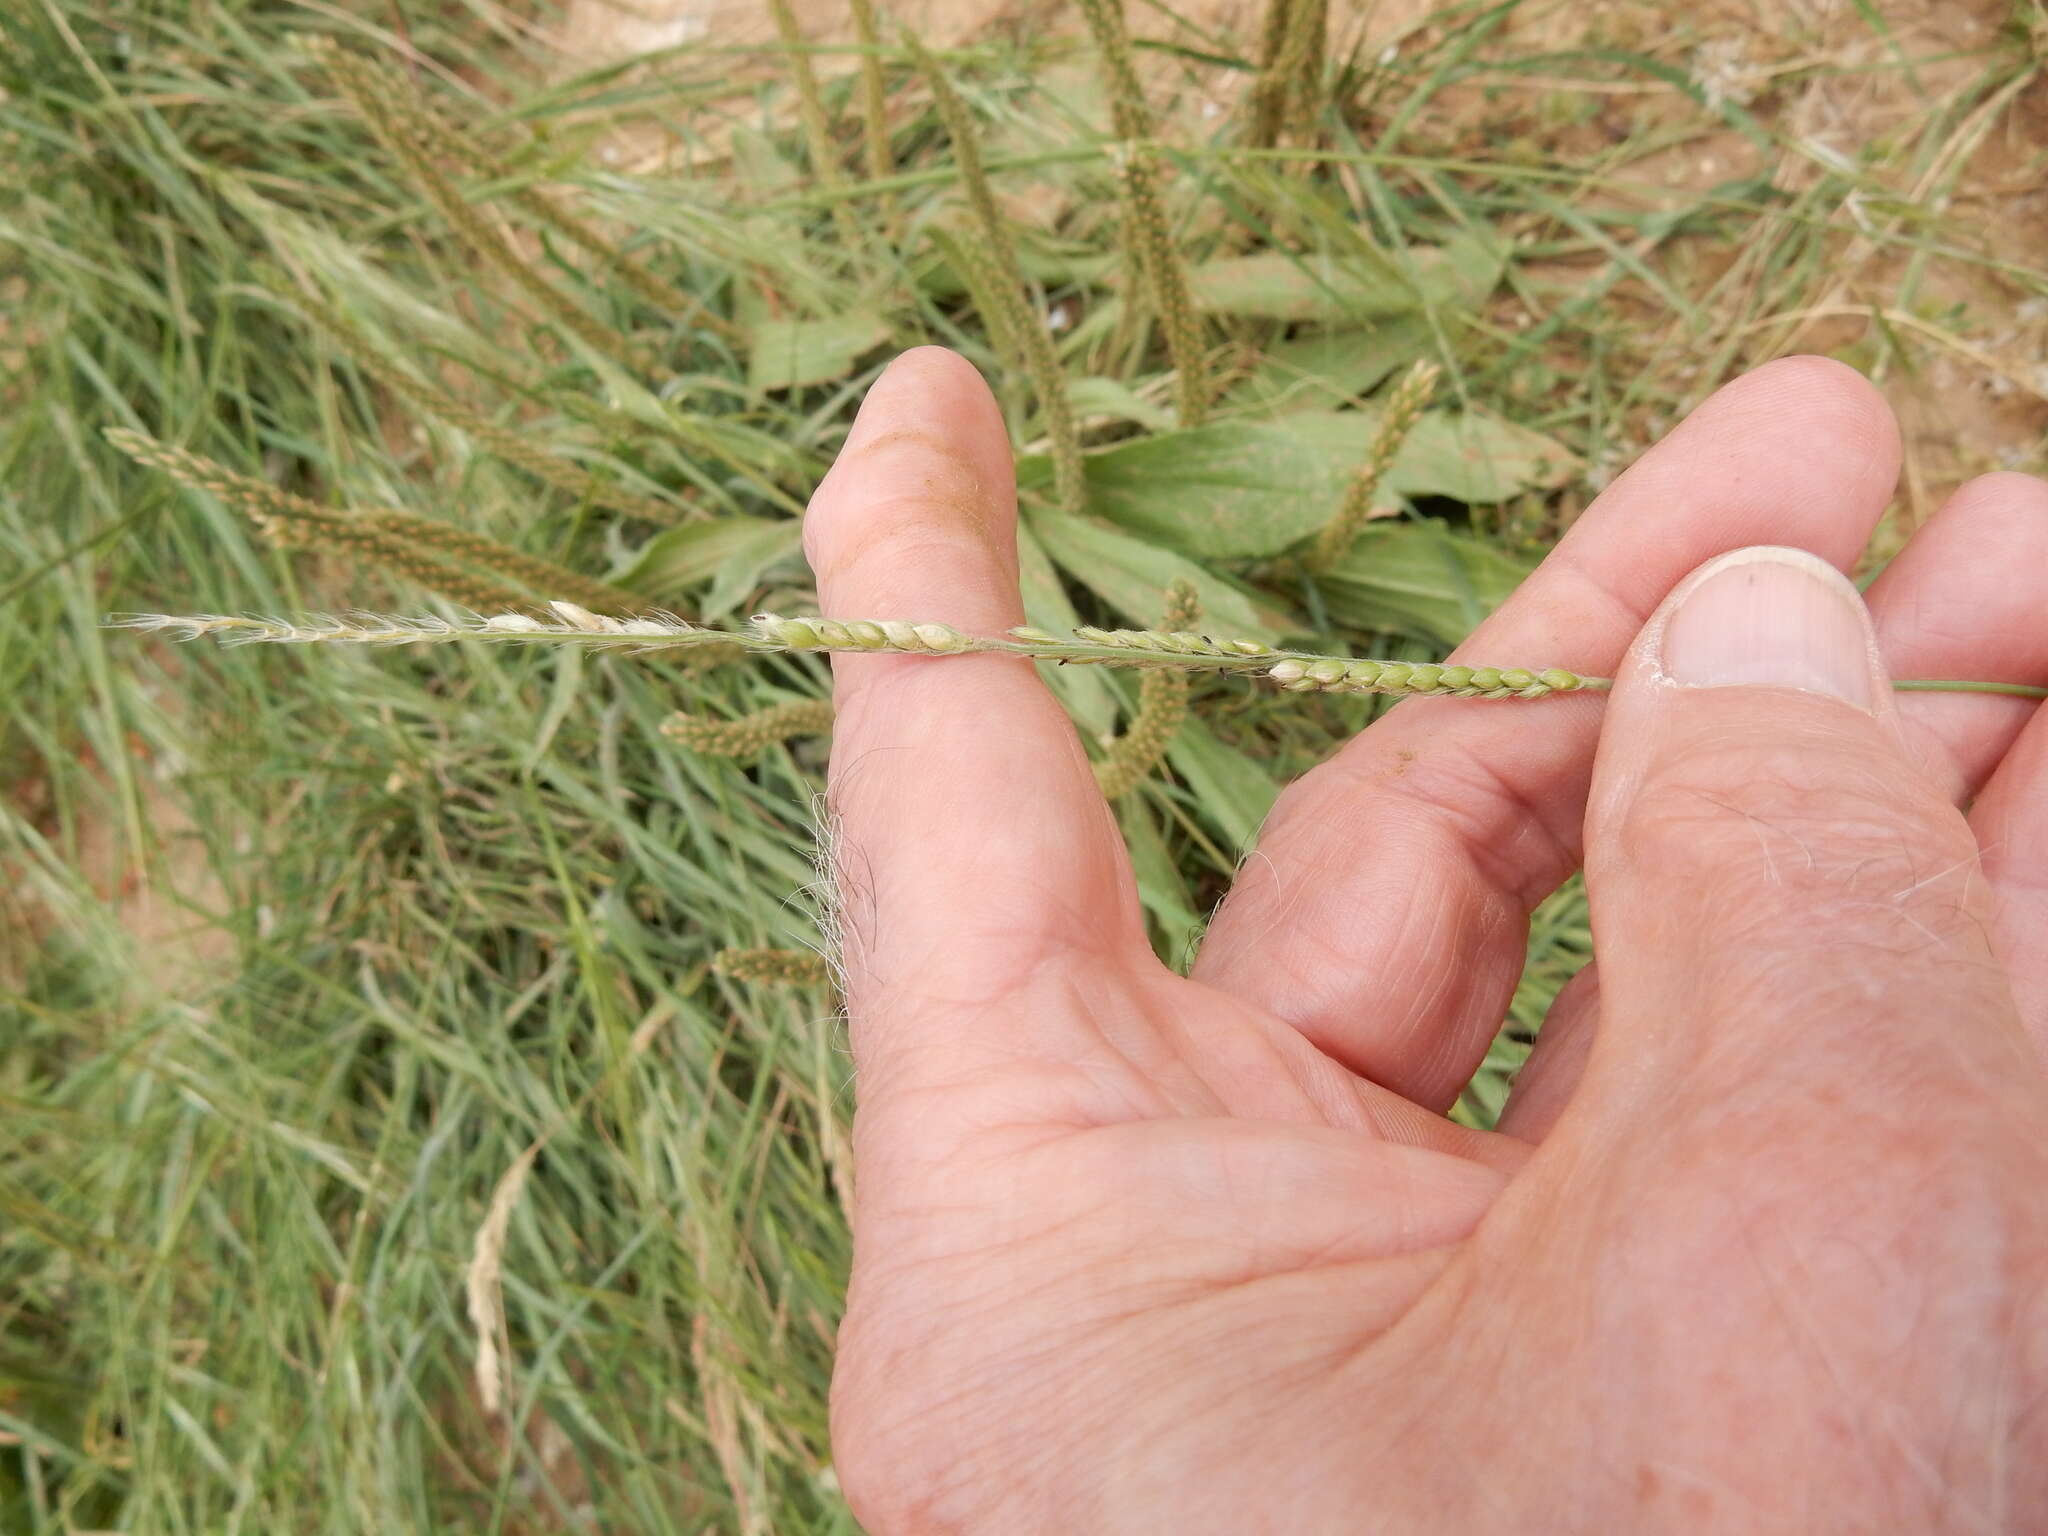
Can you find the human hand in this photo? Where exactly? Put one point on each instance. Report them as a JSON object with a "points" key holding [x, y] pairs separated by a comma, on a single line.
{"points": [[1762, 1240]]}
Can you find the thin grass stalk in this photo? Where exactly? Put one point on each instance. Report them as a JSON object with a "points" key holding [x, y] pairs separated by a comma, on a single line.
{"points": [[874, 100], [360, 84], [749, 735], [773, 967], [1295, 671], [1041, 363], [432, 126], [1162, 707], [817, 124], [1404, 409], [1166, 280], [551, 469]]}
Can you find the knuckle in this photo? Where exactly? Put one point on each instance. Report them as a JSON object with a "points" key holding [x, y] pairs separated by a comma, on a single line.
{"points": [[896, 528]]}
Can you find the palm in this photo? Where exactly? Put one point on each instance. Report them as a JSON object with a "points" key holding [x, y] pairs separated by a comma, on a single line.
{"points": [[1194, 1239], [1139, 1206], [1143, 1252]]}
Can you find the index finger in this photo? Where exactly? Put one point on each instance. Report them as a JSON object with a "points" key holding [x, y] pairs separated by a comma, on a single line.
{"points": [[970, 842]]}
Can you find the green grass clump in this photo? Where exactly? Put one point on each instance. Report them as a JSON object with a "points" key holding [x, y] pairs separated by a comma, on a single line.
{"points": [[401, 1127]]}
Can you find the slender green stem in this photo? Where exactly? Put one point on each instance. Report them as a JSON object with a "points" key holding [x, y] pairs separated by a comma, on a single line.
{"points": [[1950, 685]]}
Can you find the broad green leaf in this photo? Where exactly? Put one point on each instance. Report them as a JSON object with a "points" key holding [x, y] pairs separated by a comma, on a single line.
{"points": [[731, 552], [1233, 791], [787, 354], [1479, 460], [1083, 690], [1420, 578], [1240, 490], [761, 165], [1162, 890], [1332, 369], [1463, 271], [1132, 577], [1358, 284], [1283, 285], [1098, 399]]}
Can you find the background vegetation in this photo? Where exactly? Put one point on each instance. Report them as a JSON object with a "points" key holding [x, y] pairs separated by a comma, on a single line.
{"points": [[380, 1148]]}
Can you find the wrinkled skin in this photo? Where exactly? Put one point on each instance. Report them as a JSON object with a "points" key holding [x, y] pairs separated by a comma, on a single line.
{"points": [[1762, 1242]]}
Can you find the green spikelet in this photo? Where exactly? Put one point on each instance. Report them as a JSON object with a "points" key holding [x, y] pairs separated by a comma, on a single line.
{"points": [[1041, 364], [373, 97], [750, 735], [1165, 278], [515, 449], [1404, 408], [773, 967], [1162, 706]]}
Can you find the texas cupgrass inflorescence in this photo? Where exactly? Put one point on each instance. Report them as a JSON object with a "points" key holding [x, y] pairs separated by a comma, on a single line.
{"points": [[750, 735], [1165, 277], [366, 544], [1404, 409], [1034, 342], [418, 548], [773, 967], [373, 99], [1162, 706], [480, 549], [513, 447], [1296, 671]]}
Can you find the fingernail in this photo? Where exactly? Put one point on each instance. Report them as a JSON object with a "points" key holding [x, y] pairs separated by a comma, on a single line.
{"points": [[1770, 617]]}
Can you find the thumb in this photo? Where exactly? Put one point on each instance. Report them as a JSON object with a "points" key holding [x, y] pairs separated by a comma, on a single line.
{"points": [[1779, 895]]}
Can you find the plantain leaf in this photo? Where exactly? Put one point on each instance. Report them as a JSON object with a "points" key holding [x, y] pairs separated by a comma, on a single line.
{"points": [[1132, 576], [788, 354], [1239, 490], [1420, 578], [1099, 399], [1331, 369], [1357, 284], [1285, 285]]}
